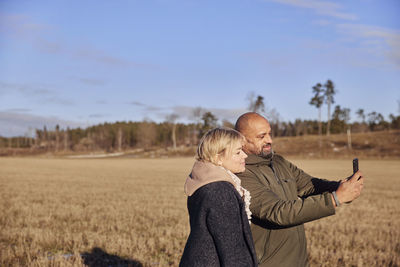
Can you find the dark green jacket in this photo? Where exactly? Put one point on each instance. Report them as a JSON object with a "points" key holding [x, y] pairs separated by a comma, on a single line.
{"points": [[283, 197]]}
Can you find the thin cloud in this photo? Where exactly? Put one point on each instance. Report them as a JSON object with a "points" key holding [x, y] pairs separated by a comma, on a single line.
{"points": [[146, 107], [322, 22], [89, 81], [378, 39], [381, 42], [92, 81], [271, 59], [21, 27], [324, 8], [98, 115], [49, 47], [228, 114], [25, 89], [154, 108], [186, 113], [56, 100], [137, 103], [221, 114], [22, 124], [18, 110], [99, 56], [39, 93]]}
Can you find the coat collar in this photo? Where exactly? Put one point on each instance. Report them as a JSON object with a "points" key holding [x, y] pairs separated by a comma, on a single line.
{"points": [[258, 160], [204, 173]]}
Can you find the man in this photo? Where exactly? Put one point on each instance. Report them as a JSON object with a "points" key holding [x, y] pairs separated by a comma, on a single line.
{"points": [[283, 197]]}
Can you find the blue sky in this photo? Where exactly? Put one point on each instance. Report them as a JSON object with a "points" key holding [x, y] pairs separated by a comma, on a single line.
{"points": [[79, 63]]}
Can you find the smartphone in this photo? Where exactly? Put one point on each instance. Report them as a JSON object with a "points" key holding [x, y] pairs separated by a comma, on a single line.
{"points": [[355, 165]]}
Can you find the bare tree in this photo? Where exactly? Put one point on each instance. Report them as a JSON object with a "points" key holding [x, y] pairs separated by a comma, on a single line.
{"points": [[146, 134], [29, 137], [398, 106], [66, 141], [256, 103], [360, 113], [197, 114], [57, 137], [38, 137], [374, 120], [171, 118], [329, 100], [119, 138], [250, 99], [274, 119], [346, 119], [317, 100], [299, 127], [45, 137], [209, 122], [346, 115]]}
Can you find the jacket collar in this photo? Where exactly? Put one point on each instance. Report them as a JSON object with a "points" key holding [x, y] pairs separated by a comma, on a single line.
{"points": [[258, 160], [204, 173]]}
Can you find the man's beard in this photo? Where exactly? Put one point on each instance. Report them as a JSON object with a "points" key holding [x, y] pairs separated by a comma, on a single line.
{"points": [[265, 154]]}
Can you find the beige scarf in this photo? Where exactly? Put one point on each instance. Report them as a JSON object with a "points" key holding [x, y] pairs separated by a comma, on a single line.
{"points": [[206, 172]]}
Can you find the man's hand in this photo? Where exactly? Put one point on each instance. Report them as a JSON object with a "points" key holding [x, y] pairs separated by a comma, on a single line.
{"points": [[350, 189]]}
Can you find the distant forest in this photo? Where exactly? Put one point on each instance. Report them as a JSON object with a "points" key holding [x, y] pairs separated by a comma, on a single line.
{"points": [[122, 136]]}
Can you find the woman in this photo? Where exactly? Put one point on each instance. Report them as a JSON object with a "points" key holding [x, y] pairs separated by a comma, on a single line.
{"points": [[218, 206]]}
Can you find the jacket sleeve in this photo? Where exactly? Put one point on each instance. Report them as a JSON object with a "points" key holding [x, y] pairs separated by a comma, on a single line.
{"points": [[224, 223], [308, 185], [269, 207]]}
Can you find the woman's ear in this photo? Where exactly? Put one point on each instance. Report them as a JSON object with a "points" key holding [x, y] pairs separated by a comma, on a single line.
{"points": [[218, 159]]}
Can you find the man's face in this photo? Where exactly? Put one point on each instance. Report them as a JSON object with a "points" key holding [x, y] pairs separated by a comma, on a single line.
{"points": [[258, 137]]}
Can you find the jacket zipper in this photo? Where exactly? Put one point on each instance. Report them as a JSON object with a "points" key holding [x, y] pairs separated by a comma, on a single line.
{"points": [[284, 191], [279, 181]]}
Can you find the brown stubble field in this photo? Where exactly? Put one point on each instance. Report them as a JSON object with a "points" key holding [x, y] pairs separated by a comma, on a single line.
{"points": [[78, 212]]}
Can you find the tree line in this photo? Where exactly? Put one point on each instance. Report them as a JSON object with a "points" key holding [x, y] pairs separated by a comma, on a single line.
{"points": [[339, 121], [121, 136], [116, 136]]}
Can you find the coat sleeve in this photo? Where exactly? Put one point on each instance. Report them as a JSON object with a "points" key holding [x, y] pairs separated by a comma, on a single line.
{"points": [[269, 207], [224, 223], [308, 185]]}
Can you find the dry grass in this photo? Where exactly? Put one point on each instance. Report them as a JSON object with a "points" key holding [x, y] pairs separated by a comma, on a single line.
{"points": [[133, 212], [371, 145], [366, 232]]}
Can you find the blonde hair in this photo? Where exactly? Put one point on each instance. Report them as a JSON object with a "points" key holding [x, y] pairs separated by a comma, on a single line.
{"points": [[216, 142]]}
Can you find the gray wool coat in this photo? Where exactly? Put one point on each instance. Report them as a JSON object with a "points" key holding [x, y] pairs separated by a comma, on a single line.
{"points": [[220, 233]]}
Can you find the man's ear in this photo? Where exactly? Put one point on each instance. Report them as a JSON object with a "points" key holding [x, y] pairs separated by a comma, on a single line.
{"points": [[246, 143]]}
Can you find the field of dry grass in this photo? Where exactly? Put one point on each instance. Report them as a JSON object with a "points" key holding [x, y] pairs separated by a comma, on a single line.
{"points": [[77, 212], [371, 145]]}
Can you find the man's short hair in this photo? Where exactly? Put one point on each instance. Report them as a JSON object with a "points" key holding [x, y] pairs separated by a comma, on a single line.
{"points": [[243, 121], [217, 141]]}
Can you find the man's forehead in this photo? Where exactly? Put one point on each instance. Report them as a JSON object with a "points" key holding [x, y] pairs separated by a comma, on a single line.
{"points": [[257, 126], [261, 128]]}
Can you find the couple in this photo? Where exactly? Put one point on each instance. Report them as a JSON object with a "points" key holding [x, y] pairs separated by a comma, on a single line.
{"points": [[255, 218]]}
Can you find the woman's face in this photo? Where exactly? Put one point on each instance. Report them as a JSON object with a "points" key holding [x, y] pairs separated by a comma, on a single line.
{"points": [[234, 160]]}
